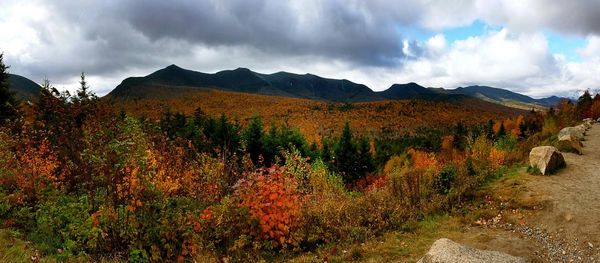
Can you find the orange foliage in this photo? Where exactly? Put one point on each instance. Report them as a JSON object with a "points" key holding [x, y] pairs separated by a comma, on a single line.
{"points": [[38, 167], [273, 200], [497, 158], [511, 125], [423, 160], [316, 118]]}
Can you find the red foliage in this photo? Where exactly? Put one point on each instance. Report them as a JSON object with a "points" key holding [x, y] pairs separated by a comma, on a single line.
{"points": [[273, 200], [371, 182]]}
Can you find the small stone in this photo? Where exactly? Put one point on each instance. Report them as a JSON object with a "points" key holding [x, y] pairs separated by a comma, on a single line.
{"points": [[590, 245]]}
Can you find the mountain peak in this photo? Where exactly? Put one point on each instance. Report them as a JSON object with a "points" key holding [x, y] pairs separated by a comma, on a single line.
{"points": [[173, 66]]}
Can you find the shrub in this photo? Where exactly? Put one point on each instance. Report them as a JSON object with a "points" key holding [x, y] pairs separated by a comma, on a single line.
{"points": [[62, 224], [272, 198], [445, 180]]}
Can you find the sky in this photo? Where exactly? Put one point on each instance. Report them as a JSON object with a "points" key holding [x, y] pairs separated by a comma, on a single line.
{"points": [[535, 47]]}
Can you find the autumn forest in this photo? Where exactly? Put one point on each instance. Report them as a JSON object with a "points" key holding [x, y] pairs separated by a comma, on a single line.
{"points": [[220, 174]]}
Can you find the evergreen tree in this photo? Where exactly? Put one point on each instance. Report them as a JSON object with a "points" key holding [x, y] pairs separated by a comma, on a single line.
{"points": [[489, 129], [83, 94], [325, 151], [199, 117], [365, 161], [271, 145], [502, 130], [584, 103], [314, 151], [345, 154], [253, 136], [8, 102]]}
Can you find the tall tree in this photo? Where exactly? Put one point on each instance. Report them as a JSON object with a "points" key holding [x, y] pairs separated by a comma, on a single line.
{"points": [[345, 154], [502, 130], [8, 102], [253, 135], [584, 103], [83, 93], [365, 161]]}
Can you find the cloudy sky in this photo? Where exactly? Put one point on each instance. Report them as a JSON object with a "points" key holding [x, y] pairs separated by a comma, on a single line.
{"points": [[536, 47]]}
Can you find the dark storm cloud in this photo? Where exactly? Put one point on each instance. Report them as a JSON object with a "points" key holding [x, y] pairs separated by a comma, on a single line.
{"points": [[357, 39], [574, 17], [353, 31]]}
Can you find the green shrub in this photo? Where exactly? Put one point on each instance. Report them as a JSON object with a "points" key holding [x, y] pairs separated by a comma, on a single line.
{"points": [[445, 180], [62, 224], [138, 256]]}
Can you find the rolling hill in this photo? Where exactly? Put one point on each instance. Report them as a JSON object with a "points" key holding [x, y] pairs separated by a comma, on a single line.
{"points": [[24, 88], [502, 96]]}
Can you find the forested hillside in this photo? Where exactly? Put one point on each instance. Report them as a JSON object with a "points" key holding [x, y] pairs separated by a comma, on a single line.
{"points": [[317, 119]]}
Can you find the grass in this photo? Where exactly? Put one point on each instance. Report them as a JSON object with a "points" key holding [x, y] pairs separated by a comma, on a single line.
{"points": [[402, 246], [411, 243], [13, 249]]}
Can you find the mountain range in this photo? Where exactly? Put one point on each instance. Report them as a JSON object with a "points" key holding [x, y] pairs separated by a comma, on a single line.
{"points": [[164, 83]]}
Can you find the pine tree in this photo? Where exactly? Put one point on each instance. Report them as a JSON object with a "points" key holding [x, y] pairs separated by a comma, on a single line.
{"points": [[345, 154], [502, 130], [489, 129], [83, 93], [365, 161], [584, 103], [253, 136], [8, 102], [199, 117], [325, 152]]}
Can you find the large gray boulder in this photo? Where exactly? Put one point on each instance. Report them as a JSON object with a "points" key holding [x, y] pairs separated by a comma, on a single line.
{"points": [[577, 132], [447, 251], [568, 143], [547, 159]]}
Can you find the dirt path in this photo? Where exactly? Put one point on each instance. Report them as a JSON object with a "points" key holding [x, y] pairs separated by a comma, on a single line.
{"points": [[564, 225]]}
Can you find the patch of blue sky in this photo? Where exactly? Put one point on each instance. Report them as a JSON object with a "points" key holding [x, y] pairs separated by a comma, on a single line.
{"points": [[476, 28], [565, 45]]}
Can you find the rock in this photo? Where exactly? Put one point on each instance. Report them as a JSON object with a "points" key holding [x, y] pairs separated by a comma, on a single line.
{"points": [[546, 158], [445, 250], [569, 143], [584, 127], [577, 132], [587, 125]]}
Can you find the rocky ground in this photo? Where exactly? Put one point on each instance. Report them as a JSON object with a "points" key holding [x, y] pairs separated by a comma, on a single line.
{"points": [[562, 219]]}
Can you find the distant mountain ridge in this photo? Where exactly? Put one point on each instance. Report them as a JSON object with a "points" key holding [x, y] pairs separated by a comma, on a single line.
{"points": [[501, 95], [287, 84], [244, 80]]}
